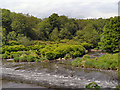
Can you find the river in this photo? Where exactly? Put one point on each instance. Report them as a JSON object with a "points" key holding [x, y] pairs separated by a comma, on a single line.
{"points": [[54, 75]]}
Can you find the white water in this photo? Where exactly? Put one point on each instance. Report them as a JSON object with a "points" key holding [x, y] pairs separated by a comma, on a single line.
{"points": [[59, 78]]}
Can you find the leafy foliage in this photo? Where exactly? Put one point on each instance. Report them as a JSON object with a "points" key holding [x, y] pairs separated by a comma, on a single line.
{"points": [[77, 62], [61, 37], [110, 36], [93, 85], [109, 61]]}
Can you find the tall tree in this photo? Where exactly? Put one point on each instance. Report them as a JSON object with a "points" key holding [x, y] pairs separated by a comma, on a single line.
{"points": [[43, 30], [53, 19], [55, 34], [4, 35], [111, 36], [6, 20], [88, 34], [12, 36]]}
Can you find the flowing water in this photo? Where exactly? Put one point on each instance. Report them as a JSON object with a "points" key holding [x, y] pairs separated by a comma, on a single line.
{"points": [[55, 75]]}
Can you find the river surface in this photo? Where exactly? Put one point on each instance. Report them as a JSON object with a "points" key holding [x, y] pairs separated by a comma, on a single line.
{"points": [[54, 75]]}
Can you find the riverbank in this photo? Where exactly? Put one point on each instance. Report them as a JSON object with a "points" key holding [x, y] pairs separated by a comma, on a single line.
{"points": [[107, 61]]}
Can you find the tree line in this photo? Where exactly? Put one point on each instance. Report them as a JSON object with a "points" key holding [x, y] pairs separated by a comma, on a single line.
{"points": [[100, 33]]}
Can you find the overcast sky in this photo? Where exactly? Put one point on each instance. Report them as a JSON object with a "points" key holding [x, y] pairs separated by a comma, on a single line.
{"points": [[70, 8]]}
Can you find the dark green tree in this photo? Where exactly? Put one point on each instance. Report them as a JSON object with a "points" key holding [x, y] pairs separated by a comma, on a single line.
{"points": [[4, 36], [12, 35], [53, 20], [54, 35], [88, 34], [111, 36], [6, 20], [43, 30], [68, 30]]}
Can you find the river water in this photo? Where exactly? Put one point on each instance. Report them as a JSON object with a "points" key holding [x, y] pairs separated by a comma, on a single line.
{"points": [[54, 75]]}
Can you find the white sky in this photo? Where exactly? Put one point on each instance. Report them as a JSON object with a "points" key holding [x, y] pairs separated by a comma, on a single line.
{"points": [[70, 8]]}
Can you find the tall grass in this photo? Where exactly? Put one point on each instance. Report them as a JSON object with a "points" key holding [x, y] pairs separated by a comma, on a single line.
{"points": [[109, 61]]}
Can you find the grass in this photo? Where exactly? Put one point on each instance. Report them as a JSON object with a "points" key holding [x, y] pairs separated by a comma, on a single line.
{"points": [[109, 61]]}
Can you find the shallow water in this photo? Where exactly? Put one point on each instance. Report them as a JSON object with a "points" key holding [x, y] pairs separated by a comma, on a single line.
{"points": [[15, 84], [56, 75]]}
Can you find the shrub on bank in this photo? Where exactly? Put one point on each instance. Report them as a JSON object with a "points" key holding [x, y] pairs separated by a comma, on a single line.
{"points": [[77, 62], [61, 51], [16, 59], [5, 56], [11, 43], [31, 58], [52, 51], [50, 55], [13, 48], [108, 61], [85, 57], [67, 56], [89, 63], [86, 45], [25, 58], [73, 50], [42, 59]]}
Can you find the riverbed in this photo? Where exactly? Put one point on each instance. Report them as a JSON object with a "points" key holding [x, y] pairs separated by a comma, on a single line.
{"points": [[57, 75], [54, 75]]}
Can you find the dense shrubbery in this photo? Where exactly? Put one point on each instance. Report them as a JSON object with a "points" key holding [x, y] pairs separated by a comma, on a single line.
{"points": [[77, 62], [13, 48], [26, 56], [50, 52], [11, 43], [109, 61], [62, 51], [87, 45]]}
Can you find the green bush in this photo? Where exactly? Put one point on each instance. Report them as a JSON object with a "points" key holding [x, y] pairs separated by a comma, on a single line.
{"points": [[93, 85], [13, 48], [89, 63], [113, 66], [67, 56], [16, 59], [11, 43], [108, 61], [41, 59], [52, 51], [31, 58], [73, 50], [37, 60], [87, 45], [23, 58], [75, 54], [62, 49], [44, 50], [4, 56], [50, 55], [104, 66], [77, 62], [85, 57]]}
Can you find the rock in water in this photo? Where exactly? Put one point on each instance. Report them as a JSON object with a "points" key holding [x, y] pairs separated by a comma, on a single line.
{"points": [[71, 75]]}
